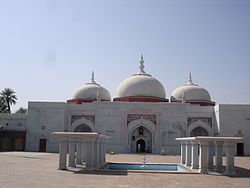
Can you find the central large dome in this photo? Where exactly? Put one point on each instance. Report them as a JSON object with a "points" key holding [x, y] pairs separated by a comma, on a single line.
{"points": [[141, 85]]}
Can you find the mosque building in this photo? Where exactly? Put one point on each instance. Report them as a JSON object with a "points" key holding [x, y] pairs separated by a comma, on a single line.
{"points": [[139, 119]]}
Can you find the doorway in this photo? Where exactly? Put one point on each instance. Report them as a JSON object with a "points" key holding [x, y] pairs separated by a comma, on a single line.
{"points": [[42, 145], [240, 149], [140, 146]]}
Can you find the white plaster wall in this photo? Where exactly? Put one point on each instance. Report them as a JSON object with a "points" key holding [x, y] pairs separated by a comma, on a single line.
{"points": [[43, 119], [234, 120], [111, 120], [13, 120]]}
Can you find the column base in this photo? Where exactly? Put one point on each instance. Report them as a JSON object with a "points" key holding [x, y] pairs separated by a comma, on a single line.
{"points": [[62, 168], [203, 171], [230, 172], [195, 167]]}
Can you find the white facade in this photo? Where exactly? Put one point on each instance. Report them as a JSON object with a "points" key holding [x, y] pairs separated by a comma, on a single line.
{"points": [[165, 122], [144, 121]]}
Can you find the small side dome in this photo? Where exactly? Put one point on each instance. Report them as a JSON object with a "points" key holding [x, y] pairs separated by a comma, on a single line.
{"points": [[141, 87], [90, 92], [191, 93]]}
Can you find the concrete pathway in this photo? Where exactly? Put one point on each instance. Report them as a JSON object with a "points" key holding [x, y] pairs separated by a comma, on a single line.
{"points": [[39, 170]]}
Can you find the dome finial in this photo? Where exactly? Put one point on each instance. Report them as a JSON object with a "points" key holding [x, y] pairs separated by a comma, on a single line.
{"points": [[93, 77], [190, 82], [142, 65], [190, 77]]}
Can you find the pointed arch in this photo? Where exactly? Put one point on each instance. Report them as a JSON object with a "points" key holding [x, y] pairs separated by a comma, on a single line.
{"points": [[149, 128], [202, 125], [81, 121]]}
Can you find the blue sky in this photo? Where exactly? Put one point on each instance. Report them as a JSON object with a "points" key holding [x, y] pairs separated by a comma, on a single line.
{"points": [[48, 48]]}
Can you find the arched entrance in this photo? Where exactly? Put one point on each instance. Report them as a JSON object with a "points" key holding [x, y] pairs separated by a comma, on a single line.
{"points": [[141, 140], [82, 128], [199, 131]]}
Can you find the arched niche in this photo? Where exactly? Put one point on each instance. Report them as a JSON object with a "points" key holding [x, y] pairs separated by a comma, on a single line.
{"points": [[82, 128], [198, 131], [148, 135], [81, 122], [202, 126]]}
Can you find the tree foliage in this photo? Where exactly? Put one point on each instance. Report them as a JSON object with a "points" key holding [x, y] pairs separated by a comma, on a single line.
{"points": [[21, 110], [7, 98], [3, 107]]}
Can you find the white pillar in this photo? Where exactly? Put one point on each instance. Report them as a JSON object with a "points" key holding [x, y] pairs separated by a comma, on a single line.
{"points": [[63, 154], [105, 150], [84, 148], [101, 151], [78, 152], [195, 158], [72, 150], [98, 152], [90, 153], [230, 149], [203, 158], [188, 153], [218, 156], [183, 152], [95, 153], [210, 154]]}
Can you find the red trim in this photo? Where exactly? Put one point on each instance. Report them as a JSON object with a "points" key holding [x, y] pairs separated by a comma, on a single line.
{"points": [[140, 99], [200, 102], [80, 101]]}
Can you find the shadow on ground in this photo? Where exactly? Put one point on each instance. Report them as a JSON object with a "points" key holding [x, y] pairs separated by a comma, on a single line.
{"points": [[103, 172], [241, 173]]}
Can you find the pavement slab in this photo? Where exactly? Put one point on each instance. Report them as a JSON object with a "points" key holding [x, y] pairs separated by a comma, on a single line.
{"points": [[39, 170]]}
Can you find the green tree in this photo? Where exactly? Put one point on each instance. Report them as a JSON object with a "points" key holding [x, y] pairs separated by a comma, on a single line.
{"points": [[8, 98], [21, 110], [3, 107]]}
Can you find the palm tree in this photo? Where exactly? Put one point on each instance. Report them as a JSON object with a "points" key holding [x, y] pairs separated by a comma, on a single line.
{"points": [[3, 107], [8, 98]]}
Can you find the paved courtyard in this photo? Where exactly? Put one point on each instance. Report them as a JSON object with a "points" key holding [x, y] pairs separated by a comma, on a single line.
{"points": [[39, 170]]}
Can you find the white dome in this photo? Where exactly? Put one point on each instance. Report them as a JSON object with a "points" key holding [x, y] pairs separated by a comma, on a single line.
{"points": [[190, 91], [92, 91], [141, 85]]}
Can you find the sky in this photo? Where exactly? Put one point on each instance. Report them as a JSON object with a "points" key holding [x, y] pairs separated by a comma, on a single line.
{"points": [[48, 48]]}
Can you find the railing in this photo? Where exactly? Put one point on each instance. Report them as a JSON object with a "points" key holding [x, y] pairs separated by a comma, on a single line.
{"points": [[13, 115], [12, 127]]}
